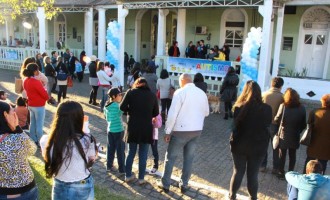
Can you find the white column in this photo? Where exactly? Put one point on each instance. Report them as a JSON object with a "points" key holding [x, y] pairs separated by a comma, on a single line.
{"points": [[278, 40], [137, 37], [9, 29], [161, 36], [88, 27], [181, 31], [42, 29], [122, 13], [266, 46], [102, 40]]}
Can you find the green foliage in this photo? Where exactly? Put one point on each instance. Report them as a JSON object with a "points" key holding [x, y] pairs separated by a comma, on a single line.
{"points": [[295, 74], [14, 8], [45, 185]]}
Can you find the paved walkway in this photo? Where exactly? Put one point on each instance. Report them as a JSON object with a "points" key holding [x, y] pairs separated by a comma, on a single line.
{"points": [[212, 167]]}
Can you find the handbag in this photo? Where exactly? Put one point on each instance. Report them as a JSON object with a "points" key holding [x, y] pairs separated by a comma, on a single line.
{"points": [[61, 76], [18, 85], [70, 82], [158, 94], [276, 138], [307, 136]]}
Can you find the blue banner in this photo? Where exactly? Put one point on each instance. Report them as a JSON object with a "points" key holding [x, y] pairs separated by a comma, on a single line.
{"points": [[192, 66], [11, 54]]}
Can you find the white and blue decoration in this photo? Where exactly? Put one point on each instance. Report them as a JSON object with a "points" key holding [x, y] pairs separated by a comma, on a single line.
{"points": [[249, 61], [113, 43]]}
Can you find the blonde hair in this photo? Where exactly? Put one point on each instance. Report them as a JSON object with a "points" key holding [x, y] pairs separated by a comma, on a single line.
{"points": [[325, 101]]}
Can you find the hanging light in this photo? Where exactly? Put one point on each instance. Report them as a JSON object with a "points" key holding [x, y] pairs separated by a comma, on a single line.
{"points": [[27, 25]]}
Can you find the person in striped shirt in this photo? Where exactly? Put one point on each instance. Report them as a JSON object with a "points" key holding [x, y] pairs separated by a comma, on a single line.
{"points": [[115, 131]]}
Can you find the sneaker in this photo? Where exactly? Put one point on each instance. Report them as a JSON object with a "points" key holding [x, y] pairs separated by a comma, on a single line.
{"points": [[142, 181], [160, 186], [112, 170], [129, 179], [275, 171], [262, 169], [281, 176], [153, 171], [184, 189]]}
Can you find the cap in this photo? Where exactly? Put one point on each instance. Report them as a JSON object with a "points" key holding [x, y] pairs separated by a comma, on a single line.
{"points": [[93, 58], [114, 92]]}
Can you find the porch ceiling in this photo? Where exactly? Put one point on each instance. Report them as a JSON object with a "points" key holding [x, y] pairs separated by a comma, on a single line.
{"points": [[189, 3]]}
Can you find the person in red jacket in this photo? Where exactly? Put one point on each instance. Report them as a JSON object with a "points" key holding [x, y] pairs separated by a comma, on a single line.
{"points": [[37, 97]]}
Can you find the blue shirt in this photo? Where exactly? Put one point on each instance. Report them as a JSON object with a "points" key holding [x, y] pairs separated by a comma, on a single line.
{"points": [[310, 186]]}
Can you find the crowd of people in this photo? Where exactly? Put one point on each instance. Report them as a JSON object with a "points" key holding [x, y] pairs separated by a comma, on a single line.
{"points": [[201, 51], [70, 150]]}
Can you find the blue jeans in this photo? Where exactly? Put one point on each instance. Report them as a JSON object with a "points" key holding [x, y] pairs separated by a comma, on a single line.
{"points": [[29, 195], [104, 97], [175, 146], [292, 192], [116, 144], [143, 155], [37, 117], [78, 190]]}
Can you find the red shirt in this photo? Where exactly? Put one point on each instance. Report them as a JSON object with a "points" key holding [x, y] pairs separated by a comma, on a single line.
{"points": [[36, 94]]}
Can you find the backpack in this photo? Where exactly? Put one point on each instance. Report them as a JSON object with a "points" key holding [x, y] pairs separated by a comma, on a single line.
{"points": [[61, 75]]}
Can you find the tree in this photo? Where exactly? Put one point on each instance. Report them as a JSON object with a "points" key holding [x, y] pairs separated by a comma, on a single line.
{"points": [[14, 8]]}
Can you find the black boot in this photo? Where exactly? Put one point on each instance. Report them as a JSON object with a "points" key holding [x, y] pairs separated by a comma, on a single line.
{"points": [[226, 116], [163, 117]]}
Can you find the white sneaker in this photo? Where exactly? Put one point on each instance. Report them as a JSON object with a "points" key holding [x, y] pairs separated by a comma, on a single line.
{"points": [[153, 171]]}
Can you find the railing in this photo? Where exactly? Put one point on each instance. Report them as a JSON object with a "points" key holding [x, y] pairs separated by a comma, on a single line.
{"points": [[12, 57]]}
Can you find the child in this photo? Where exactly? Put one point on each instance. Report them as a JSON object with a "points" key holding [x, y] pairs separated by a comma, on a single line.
{"points": [[157, 123], [22, 113], [115, 131], [79, 70]]}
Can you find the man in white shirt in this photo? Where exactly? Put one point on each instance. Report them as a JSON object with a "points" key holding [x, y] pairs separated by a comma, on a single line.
{"points": [[184, 125]]}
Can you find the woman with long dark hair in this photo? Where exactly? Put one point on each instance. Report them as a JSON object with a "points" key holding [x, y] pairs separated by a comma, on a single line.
{"points": [[164, 85], [37, 97], [249, 139], [294, 122], [62, 82], [228, 91], [69, 153], [17, 179], [141, 105]]}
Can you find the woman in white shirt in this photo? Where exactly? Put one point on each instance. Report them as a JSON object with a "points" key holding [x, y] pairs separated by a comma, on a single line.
{"points": [[163, 85], [104, 82], [69, 153]]}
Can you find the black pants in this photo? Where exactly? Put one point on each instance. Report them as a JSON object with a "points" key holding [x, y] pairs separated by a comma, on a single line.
{"points": [[166, 104], [292, 159], [61, 92], [93, 94], [154, 148], [228, 107], [80, 76], [250, 164], [273, 131]]}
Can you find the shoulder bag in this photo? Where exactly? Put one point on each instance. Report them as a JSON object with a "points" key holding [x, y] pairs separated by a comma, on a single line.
{"points": [[18, 85], [276, 138], [307, 135]]}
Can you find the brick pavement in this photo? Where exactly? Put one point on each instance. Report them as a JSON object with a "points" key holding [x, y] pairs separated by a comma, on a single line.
{"points": [[212, 165]]}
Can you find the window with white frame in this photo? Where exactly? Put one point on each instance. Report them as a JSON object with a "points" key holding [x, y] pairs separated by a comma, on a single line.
{"points": [[30, 37], [60, 28]]}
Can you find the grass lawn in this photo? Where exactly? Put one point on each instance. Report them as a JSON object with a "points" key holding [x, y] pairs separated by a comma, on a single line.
{"points": [[45, 185]]}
